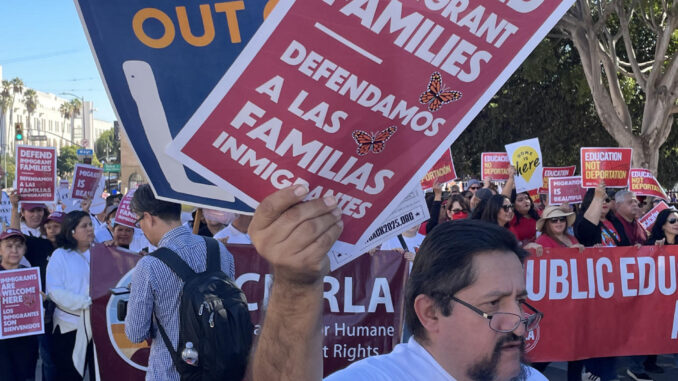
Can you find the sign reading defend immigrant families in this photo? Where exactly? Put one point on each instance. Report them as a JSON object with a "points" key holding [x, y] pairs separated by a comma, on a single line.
{"points": [[494, 166], [526, 158], [36, 173], [443, 170], [124, 214], [610, 164], [355, 101], [549, 172], [642, 182], [650, 217], [85, 181], [565, 190], [20, 303]]}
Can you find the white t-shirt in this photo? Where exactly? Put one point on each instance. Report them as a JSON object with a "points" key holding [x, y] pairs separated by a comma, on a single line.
{"points": [[32, 232], [102, 234], [407, 362], [234, 235], [413, 243]]}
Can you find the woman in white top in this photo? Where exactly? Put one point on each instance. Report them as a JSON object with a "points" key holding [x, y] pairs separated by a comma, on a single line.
{"points": [[68, 286]]}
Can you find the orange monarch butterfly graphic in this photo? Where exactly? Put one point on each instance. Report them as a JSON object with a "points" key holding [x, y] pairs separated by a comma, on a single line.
{"points": [[374, 141], [436, 96]]}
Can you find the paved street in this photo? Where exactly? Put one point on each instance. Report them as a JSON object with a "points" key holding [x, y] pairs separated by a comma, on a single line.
{"points": [[558, 371]]}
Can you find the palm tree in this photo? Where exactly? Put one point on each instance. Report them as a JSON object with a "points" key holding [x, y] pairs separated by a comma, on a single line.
{"points": [[31, 103], [70, 110], [5, 105], [17, 87]]}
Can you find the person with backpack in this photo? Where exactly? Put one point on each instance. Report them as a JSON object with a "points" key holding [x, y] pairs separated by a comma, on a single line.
{"points": [[198, 319]]}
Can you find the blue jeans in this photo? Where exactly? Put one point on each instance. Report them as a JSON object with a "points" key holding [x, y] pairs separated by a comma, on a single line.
{"points": [[44, 345]]}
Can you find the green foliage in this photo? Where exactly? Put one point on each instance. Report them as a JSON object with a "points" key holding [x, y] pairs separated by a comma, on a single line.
{"points": [[106, 145], [11, 171], [547, 98], [66, 161]]}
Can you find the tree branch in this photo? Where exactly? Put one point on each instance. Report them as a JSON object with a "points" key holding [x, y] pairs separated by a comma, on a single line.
{"points": [[624, 20]]}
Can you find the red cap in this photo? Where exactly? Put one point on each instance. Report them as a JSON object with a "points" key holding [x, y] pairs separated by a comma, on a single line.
{"points": [[56, 217], [32, 205], [11, 233]]}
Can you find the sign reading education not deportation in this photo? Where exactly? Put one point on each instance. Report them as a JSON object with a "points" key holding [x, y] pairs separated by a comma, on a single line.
{"points": [[494, 165], [642, 182], [20, 303], [609, 164], [555, 172], [356, 99], [36, 173]]}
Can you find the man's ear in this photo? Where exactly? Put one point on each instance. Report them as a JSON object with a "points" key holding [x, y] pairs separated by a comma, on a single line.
{"points": [[427, 312]]}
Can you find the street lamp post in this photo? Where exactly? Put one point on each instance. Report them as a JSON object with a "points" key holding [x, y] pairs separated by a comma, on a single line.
{"points": [[82, 112]]}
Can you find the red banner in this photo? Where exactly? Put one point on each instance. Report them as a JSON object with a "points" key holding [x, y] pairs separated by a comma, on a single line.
{"points": [[124, 214], [85, 181], [118, 358], [642, 182], [36, 173], [565, 190], [443, 170], [603, 302], [555, 172], [650, 217], [21, 303], [494, 165], [363, 303], [610, 164]]}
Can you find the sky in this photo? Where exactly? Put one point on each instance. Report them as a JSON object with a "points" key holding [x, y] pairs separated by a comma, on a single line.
{"points": [[43, 43]]}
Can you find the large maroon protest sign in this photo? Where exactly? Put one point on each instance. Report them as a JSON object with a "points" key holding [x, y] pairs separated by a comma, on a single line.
{"points": [[642, 182], [363, 303], [20, 303], [356, 99], [85, 181], [565, 190], [650, 217], [36, 173], [124, 214], [594, 302]]}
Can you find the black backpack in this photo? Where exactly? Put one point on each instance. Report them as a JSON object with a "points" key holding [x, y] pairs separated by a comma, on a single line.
{"points": [[213, 317]]}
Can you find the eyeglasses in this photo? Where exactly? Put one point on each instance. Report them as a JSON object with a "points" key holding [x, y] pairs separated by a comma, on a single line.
{"points": [[474, 187], [136, 223], [672, 220], [607, 200], [505, 322], [558, 219], [507, 207], [456, 210]]}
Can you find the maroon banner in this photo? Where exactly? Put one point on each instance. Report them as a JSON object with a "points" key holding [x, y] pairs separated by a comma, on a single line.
{"points": [[363, 303], [124, 215], [118, 358], [603, 302], [85, 181], [443, 170], [36, 173], [21, 303]]}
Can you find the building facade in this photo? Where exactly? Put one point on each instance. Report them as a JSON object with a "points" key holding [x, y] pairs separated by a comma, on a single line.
{"points": [[47, 127]]}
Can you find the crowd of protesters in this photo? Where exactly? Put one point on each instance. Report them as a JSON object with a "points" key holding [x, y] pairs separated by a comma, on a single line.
{"points": [[59, 244]]}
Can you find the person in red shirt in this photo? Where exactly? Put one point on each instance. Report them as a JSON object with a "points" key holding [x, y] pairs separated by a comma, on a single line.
{"points": [[524, 222], [627, 210], [553, 225]]}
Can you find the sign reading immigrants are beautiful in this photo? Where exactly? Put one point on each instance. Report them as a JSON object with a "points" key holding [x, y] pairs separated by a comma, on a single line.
{"points": [[356, 99]]}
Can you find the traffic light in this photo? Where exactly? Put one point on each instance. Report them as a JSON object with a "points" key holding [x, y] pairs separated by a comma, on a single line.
{"points": [[19, 129]]}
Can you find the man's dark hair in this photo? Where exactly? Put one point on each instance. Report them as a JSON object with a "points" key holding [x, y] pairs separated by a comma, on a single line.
{"points": [[443, 265], [71, 220], [144, 201]]}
